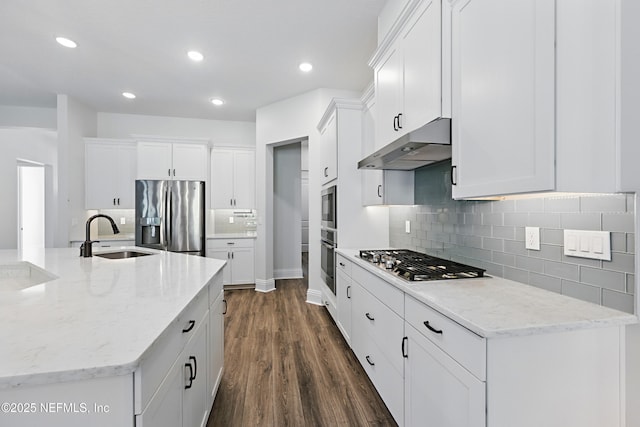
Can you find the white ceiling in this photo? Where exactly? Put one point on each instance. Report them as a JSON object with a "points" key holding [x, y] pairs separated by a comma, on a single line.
{"points": [[252, 50]]}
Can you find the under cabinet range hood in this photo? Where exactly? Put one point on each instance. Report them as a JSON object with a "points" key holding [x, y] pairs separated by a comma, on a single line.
{"points": [[429, 144]]}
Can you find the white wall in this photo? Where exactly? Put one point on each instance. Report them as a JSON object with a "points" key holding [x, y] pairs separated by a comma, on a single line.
{"points": [[32, 117], [36, 145], [287, 212], [220, 132], [75, 121], [292, 119]]}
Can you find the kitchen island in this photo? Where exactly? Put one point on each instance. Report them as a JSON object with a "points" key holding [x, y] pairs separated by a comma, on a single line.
{"points": [[103, 342], [482, 352]]}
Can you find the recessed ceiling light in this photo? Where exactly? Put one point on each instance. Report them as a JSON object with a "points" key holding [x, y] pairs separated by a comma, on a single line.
{"points": [[195, 55], [128, 95], [306, 67], [217, 101], [66, 42]]}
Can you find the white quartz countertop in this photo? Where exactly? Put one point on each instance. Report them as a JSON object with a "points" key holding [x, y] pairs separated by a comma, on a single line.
{"points": [[97, 318], [111, 237], [493, 307], [246, 235]]}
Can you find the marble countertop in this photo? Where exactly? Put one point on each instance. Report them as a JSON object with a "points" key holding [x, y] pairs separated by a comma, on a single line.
{"points": [[97, 317], [246, 235], [494, 307], [120, 236]]}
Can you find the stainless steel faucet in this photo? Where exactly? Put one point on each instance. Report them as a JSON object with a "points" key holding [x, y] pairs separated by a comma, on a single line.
{"points": [[86, 249]]}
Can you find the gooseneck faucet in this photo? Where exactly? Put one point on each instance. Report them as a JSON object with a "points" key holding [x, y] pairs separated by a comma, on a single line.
{"points": [[86, 249]]}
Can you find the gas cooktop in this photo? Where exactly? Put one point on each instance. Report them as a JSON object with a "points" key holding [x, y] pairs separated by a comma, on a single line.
{"points": [[416, 266]]}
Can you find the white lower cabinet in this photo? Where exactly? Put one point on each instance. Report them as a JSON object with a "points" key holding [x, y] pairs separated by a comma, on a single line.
{"points": [[217, 311], [438, 391], [195, 408], [344, 290], [239, 254]]}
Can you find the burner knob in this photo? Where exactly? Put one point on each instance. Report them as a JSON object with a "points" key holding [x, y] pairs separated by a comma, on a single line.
{"points": [[376, 258], [390, 263]]}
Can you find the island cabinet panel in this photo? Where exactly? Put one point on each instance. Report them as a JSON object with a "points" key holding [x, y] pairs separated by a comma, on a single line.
{"points": [[99, 402]]}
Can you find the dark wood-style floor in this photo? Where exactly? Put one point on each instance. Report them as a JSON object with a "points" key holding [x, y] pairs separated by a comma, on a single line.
{"points": [[286, 364]]}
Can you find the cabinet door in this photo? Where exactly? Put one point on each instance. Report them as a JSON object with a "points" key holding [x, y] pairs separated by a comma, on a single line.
{"points": [[329, 141], [242, 266], [195, 410], [126, 178], [503, 97], [437, 390], [244, 179], [422, 55], [154, 160], [216, 345], [344, 289], [190, 162], [388, 82], [221, 179], [101, 170], [165, 408], [224, 255]]}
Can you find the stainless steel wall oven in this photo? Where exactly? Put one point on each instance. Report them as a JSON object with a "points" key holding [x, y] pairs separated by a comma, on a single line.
{"points": [[328, 257], [329, 210]]}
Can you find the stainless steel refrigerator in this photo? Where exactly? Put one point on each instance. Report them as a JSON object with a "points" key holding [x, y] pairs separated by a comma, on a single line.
{"points": [[170, 215]]}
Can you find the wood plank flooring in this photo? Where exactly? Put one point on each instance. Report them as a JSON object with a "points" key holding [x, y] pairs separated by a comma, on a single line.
{"points": [[286, 364]]}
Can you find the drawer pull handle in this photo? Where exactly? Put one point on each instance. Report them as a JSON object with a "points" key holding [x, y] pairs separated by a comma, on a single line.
{"points": [[188, 386], [369, 361], [431, 328], [404, 348], [349, 293], [225, 307], [192, 323], [342, 264], [368, 316], [195, 367]]}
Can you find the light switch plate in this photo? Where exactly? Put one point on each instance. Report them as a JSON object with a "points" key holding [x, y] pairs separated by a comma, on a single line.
{"points": [[588, 244], [532, 238], [407, 226]]}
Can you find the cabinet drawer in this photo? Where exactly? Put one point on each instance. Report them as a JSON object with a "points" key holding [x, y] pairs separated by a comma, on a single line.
{"points": [[343, 264], [159, 358], [383, 374], [467, 348], [229, 243], [377, 322], [385, 292]]}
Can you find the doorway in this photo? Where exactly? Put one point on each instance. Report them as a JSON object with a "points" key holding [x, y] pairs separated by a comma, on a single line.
{"points": [[31, 205]]}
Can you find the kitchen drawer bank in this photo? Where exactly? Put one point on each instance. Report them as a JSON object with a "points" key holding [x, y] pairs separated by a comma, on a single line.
{"points": [[486, 352], [110, 342]]}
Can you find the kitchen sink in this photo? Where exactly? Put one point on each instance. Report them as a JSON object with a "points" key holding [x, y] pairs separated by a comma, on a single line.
{"points": [[122, 254]]}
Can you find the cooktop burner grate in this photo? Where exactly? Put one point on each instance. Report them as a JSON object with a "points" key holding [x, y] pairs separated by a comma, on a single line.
{"points": [[416, 266]]}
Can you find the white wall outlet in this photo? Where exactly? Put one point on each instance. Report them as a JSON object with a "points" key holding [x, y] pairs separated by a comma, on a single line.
{"points": [[588, 244], [230, 220], [532, 238], [407, 226], [123, 220]]}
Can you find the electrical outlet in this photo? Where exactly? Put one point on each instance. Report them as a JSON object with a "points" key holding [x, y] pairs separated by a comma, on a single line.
{"points": [[123, 220], [230, 220], [407, 226], [532, 238]]}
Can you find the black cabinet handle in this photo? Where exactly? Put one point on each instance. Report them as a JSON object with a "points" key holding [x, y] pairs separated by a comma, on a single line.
{"points": [[118, 201], [114, 201], [231, 202], [431, 328], [192, 323], [395, 123], [174, 172], [368, 316], [341, 264], [379, 188], [348, 293], [188, 386], [453, 169], [369, 361], [399, 122], [404, 348], [326, 171], [231, 255], [195, 367], [225, 307], [169, 172]]}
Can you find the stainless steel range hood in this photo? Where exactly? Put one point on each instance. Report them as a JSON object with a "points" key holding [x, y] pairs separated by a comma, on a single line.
{"points": [[428, 144]]}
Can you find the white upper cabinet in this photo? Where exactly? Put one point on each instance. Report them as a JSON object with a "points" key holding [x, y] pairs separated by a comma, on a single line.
{"points": [[503, 97], [408, 69], [172, 160], [545, 100], [110, 173], [233, 178], [329, 146]]}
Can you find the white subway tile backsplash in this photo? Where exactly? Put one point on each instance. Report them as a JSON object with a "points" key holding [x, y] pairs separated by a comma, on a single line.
{"points": [[546, 220], [603, 278], [503, 232], [550, 236], [530, 264], [518, 219], [581, 221], [516, 274], [562, 270], [618, 222], [493, 244], [581, 291], [562, 204], [620, 262], [608, 203], [530, 205], [545, 282], [618, 300]]}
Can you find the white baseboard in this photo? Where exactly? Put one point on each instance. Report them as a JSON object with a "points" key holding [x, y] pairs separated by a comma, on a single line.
{"points": [[265, 285], [314, 297], [288, 273]]}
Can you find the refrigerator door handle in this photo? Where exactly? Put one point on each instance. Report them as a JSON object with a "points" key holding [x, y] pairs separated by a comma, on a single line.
{"points": [[166, 218]]}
